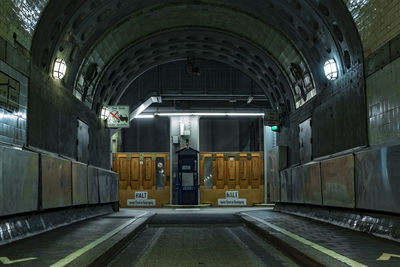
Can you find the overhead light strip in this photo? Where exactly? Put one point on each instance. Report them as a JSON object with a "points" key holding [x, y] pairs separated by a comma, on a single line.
{"points": [[144, 116], [211, 114]]}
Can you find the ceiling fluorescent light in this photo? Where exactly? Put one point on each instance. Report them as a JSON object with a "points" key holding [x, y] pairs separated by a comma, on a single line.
{"points": [[211, 114], [144, 116]]}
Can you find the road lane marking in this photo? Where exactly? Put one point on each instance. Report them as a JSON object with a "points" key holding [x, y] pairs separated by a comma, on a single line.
{"points": [[387, 256], [320, 248], [6, 260], [88, 247]]}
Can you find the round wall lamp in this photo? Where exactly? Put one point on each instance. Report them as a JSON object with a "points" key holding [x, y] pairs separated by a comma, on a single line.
{"points": [[331, 69], [59, 69]]}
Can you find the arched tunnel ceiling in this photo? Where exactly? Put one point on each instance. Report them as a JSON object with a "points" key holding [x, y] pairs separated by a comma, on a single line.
{"points": [[304, 32], [197, 43], [213, 86]]}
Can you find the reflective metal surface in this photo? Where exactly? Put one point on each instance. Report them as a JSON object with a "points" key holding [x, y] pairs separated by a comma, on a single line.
{"points": [[19, 178], [79, 183], [208, 179], [298, 184], [305, 141], [13, 123], [93, 185], [83, 142], [56, 182], [338, 182], [286, 185], [377, 178], [160, 173], [312, 184], [108, 186]]}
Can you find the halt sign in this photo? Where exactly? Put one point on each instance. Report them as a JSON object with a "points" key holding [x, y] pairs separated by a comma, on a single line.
{"points": [[119, 117]]}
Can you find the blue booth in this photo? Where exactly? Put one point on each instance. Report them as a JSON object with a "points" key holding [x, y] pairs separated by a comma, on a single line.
{"points": [[187, 184]]}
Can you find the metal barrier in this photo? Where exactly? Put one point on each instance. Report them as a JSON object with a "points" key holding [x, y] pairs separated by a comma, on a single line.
{"points": [[62, 182], [367, 179], [19, 181]]}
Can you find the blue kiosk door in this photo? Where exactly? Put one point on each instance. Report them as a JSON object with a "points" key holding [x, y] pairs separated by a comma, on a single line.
{"points": [[188, 178]]}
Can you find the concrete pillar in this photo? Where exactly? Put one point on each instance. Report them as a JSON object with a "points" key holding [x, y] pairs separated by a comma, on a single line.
{"points": [[190, 123]]}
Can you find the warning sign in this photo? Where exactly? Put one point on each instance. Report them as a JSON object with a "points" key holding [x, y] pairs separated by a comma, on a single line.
{"points": [[119, 117]]}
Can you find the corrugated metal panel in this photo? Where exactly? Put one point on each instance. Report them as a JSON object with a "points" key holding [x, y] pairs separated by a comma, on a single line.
{"points": [[79, 183], [298, 184], [19, 181], [312, 184], [377, 179], [56, 182], [338, 182], [93, 186], [286, 185]]}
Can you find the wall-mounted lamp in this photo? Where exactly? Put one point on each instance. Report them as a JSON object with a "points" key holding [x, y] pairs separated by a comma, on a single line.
{"points": [[59, 69], [331, 69], [104, 113]]}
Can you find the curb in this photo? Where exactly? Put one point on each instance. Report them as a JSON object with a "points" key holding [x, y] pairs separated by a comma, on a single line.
{"points": [[103, 253], [132, 229], [301, 254]]}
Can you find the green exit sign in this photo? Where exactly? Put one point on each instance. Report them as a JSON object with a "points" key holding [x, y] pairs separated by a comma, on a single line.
{"points": [[275, 128]]}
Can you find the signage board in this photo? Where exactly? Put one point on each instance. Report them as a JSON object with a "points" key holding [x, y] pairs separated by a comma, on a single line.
{"points": [[231, 194], [119, 117], [141, 199], [140, 202], [232, 199]]}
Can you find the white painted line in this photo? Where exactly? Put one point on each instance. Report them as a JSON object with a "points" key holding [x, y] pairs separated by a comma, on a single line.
{"points": [[187, 209], [322, 249], [6, 260], [88, 247]]}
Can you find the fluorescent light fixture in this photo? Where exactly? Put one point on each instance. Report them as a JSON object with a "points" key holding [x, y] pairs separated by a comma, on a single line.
{"points": [[145, 116], [59, 69], [104, 113], [331, 69], [143, 107], [211, 114]]}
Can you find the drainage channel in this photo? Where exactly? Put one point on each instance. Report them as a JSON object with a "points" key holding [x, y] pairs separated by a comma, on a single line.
{"points": [[198, 240]]}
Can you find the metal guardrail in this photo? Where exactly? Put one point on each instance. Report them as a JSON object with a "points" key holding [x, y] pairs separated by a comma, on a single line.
{"points": [[32, 181]]}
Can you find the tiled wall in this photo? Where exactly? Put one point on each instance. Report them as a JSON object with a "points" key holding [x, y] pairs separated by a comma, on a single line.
{"points": [[20, 17], [13, 122], [383, 96], [378, 21]]}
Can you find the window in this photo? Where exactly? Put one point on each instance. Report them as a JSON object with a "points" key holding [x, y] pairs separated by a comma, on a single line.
{"points": [[59, 69], [331, 70]]}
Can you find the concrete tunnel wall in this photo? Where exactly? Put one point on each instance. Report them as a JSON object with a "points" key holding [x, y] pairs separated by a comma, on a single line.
{"points": [[368, 178], [53, 110]]}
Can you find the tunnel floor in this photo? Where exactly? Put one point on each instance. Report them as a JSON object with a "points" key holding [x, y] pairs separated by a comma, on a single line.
{"points": [[201, 237], [221, 240]]}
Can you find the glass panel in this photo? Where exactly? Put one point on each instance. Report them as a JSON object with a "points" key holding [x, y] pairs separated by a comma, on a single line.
{"points": [[187, 179], [160, 173], [208, 182]]}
